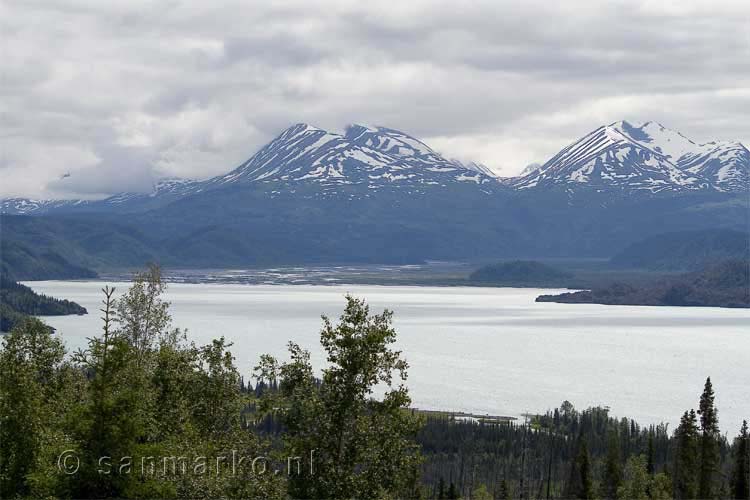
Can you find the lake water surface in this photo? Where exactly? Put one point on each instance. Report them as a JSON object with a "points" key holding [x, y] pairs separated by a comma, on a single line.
{"points": [[485, 350]]}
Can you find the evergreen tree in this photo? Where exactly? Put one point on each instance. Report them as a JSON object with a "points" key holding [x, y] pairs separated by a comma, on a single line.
{"points": [[650, 467], [612, 468], [580, 482], [741, 471], [709, 446], [686, 457], [441, 489], [119, 413], [453, 492]]}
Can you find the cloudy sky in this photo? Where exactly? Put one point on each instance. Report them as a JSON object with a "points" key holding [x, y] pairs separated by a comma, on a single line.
{"points": [[118, 94]]}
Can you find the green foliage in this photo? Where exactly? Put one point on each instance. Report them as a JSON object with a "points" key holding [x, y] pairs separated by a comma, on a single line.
{"points": [[481, 493], [660, 487], [138, 393], [639, 484], [453, 492], [612, 468], [709, 445], [741, 469], [503, 492], [686, 460], [580, 483], [30, 385], [636, 482], [360, 446], [9, 318]]}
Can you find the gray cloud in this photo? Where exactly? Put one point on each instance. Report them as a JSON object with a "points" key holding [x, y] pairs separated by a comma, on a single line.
{"points": [[119, 94]]}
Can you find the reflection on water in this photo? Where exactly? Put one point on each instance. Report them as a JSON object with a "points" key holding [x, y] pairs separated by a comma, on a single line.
{"points": [[483, 350]]}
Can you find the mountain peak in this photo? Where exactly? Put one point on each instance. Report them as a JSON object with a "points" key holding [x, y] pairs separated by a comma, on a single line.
{"points": [[387, 140], [298, 129], [530, 169], [373, 157], [648, 156]]}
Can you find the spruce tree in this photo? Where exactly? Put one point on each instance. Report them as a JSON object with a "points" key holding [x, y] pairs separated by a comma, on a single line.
{"points": [[612, 468], [650, 467], [580, 484], [453, 492], [741, 472], [709, 446], [686, 457]]}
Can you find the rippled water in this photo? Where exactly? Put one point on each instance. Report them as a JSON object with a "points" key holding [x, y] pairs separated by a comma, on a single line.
{"points": [[487, 350]]}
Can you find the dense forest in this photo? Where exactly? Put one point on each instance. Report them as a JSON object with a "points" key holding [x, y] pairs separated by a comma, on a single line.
{"points": [[18, 301], [144, 413], [30, 261], [723, 284], [684, 250]]}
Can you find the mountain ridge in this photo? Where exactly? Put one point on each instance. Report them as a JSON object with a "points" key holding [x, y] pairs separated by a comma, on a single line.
{"points": [[620, 158], [648, 157], [375, 157]]}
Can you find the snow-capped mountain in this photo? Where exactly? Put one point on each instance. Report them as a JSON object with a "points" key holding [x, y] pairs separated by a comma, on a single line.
{"points": [[28, 206], [642, 157], [307, 161], [374, 157], [371, 158], [164, 191], [530, 169], [478, 167], [724, 165]]}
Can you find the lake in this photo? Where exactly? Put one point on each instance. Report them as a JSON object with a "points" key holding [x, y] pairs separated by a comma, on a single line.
{"points": [[484, 350]]}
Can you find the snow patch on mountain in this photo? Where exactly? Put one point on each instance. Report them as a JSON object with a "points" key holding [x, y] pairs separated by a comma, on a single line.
{"points": [[377, 157], [642, 157], [621, 157]]}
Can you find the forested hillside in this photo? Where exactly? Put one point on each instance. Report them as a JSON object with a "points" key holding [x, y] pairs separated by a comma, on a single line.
{"points": [[143, 413], [688, 250], [722, 284], [266, 224], [69, 248], [33, 261], [17, 302]]}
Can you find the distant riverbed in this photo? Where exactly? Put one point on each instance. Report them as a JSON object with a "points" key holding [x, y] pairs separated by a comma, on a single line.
{"points": [[480, 350]]}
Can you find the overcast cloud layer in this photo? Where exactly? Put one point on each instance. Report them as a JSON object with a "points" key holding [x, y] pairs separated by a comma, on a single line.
{"points": [[119, 94]]}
